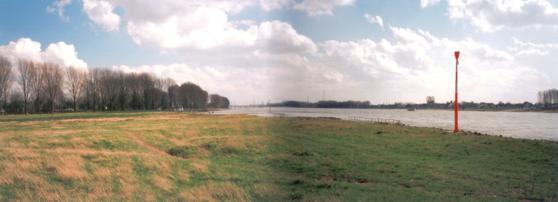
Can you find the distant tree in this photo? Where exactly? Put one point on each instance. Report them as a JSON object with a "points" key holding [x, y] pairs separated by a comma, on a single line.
{"points": [[53, 80], [192, 96], [548, 98], [28, 81], [430, 100], [46, 87], [173, 96], [5, 80], [75, 83], [124, 96], [217, 101], [164, 84]]}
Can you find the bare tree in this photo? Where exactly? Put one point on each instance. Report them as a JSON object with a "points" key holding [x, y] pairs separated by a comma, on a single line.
{"points": [[548, 97], [53, 79], [164, 84], [173, 96], [75, 83], [42, 90], [37, 86], [28, 77], [92, 89], [5, 81]]}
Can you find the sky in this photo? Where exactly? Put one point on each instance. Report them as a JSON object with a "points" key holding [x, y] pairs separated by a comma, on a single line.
{"points": [[259, 51]]}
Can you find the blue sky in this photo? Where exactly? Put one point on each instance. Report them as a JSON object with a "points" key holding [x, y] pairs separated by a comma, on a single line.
{"points": [[293, 49], [102, 48], [96, 46]]}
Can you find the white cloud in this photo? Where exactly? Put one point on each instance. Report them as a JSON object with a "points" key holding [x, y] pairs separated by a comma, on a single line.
{"points": [[59, 53], [490, 15], [207, 27], [271, 60], [268, 5], [101, 12], [529, 48], [374, 20], [414, 64], [279, 37], [321, 7], [58, 7], [427, 3], [63, 54], [404, 68]]}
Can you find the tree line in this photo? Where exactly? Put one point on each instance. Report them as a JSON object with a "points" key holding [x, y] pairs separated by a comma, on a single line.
{"points": [[36, 87], [323, 104], [548, 98]]}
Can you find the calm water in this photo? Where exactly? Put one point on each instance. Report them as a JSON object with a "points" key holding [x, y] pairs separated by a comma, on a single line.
{"points": [[531, 125]]}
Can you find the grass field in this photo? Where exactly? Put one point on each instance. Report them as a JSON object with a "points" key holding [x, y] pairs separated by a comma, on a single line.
{"points": [[178, 156]]}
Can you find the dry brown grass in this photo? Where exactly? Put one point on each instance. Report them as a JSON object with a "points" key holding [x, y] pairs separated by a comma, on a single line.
{"points": [[58, 150], [162, 183], [89, 120], [67, 166], [215, 192], [232, 145], [100, 191], [177, 141], [102, 172], [19, 169], [30, 152], [142, 143], [183, 176], [124, 173], [200, 165]]}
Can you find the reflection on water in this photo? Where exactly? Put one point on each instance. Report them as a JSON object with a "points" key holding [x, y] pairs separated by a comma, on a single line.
{"points": [[531, 125]]}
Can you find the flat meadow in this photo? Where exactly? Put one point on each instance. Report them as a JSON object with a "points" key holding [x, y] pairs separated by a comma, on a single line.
{"points": [[161, 156]]}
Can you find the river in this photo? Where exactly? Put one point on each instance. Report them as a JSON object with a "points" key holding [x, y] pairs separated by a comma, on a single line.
{"points": [[529, 125]]}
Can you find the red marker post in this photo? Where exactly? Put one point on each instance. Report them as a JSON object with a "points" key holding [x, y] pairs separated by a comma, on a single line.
{"points": [[456, 103]]}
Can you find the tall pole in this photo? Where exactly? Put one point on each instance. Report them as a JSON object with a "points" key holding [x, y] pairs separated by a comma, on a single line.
{"points": [[456, 102]]}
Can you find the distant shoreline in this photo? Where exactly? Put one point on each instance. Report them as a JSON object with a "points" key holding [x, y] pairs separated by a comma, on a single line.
{"points": [[480, 110], [501, 110]]}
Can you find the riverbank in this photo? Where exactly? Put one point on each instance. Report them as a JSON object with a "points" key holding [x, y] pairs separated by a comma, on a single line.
{"points": [[448, 109], [502, 110], [527, 125], [180, 156]]}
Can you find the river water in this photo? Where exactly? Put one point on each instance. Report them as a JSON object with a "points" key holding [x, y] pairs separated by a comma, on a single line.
{"points": [[530, 125]]}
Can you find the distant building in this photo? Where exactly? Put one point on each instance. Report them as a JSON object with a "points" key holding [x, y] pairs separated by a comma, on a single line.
{"points": [[430, 100]]}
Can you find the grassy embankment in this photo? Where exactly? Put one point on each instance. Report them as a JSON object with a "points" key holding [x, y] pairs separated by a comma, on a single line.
{"points": [[127, 156]]}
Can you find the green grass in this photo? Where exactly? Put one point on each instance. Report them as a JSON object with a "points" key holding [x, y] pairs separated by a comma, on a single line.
{"points": [[178, 156]]}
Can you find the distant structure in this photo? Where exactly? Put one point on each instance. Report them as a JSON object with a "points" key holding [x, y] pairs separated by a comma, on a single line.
{"points": [[430, 100], [548, 97]]}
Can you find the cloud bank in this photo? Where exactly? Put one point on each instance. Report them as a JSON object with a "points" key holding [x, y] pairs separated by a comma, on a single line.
{"points": [[270, 60]]}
